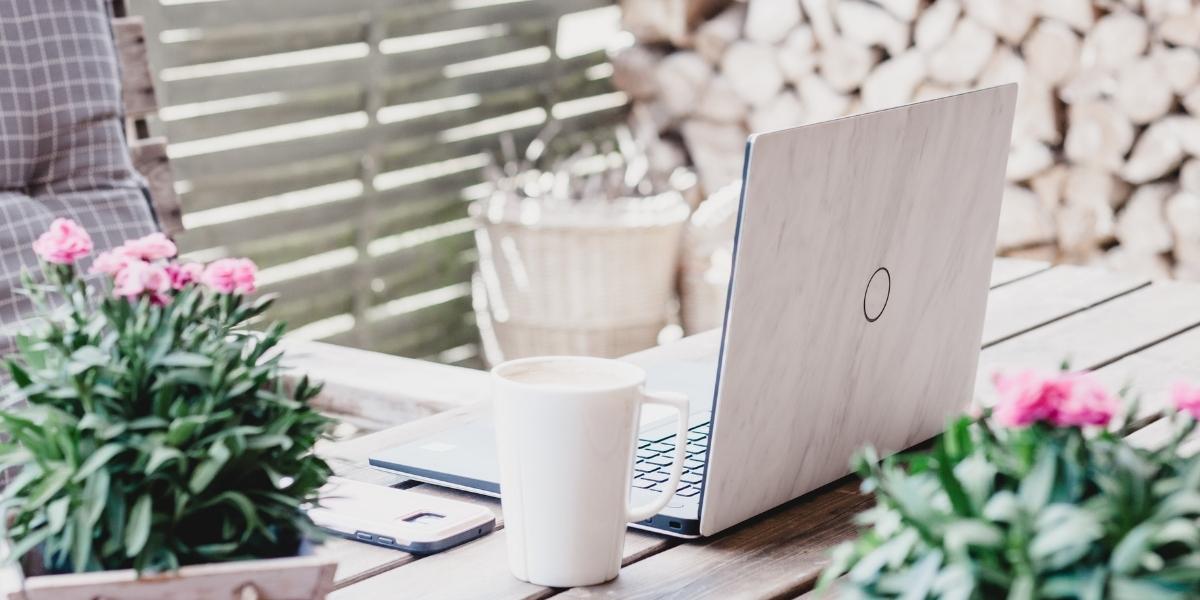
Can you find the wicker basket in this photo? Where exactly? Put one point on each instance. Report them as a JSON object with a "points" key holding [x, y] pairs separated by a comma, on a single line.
{"points": [[575, 278], [707, 261]]}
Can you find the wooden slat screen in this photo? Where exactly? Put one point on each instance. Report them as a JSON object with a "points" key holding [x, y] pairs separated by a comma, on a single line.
{"points": [[337, 142]]}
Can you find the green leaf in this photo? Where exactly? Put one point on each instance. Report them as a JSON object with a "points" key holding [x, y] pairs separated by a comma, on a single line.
{"points": [[977, 476], [98, 459], [95, 495], [955, 582], [50, 485], [90, 356], [892, 552], [81, 550], [1127, 588], [160, 456], [137, 530], [921, 576], [950, 483], [1064, 534], [185, 360], [1023, 588], [1181, 531], [181, 429], [19, 375], [1183, 503], [1081, 584], [207, 470], [963, 533], [28, 542], [150, 422], [24, 479], [1127, 556], [244, 506], [1036, 486], [260, 442], [56, 513], [217, 550]]}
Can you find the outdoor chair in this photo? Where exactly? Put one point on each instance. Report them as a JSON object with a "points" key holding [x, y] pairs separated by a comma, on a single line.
{"points": [[75, 92]]}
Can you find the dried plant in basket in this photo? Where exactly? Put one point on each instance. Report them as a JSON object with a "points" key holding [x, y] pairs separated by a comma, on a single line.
{"points": [[617, 169]]}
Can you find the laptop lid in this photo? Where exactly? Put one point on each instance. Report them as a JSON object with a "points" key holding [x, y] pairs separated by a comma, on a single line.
{"points": [[856, 305]]}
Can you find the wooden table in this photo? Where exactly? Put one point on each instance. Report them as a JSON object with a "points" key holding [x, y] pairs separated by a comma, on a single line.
{"points": [[1127, 329]]}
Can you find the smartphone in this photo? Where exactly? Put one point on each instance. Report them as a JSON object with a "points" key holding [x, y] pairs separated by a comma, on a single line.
{"points": [[400, 519]]}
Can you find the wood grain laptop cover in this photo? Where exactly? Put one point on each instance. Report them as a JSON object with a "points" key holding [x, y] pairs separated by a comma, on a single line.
{"points": [[858, 293]]}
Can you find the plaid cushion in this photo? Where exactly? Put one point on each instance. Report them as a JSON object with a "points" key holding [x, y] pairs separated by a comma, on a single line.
{"points": [[62, 144]]}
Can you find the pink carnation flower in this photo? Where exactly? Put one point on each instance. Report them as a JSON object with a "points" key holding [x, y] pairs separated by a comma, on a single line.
{"points": [[111, 262], [231, 275], [183, 274], [1061, 399], [152, 247], [1187, 398], [64, 243], [1022, 402], [140, 277], [1084, 401]]}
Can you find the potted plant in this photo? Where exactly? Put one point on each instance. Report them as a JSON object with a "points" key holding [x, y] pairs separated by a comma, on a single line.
{"points": [[577, 256], [1042, 497], [149, 434]]}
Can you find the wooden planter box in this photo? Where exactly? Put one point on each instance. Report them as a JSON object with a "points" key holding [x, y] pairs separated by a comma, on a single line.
{"points": [[297, 578]]}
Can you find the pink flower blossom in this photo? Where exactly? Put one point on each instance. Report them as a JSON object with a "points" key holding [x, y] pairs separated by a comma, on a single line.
{"points": [[1022, 402], [152, 247], [1084, 401], [111, 262], [183, 274], [231, 275], [1061, 399], [140, 277], [1187, 398], [64, 243]]}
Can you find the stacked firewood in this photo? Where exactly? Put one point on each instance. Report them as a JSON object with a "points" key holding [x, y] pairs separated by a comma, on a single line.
{"points": [[1104, 166]]}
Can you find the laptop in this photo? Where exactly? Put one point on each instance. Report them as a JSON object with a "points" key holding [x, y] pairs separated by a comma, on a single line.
{"points": [[855, 314]]}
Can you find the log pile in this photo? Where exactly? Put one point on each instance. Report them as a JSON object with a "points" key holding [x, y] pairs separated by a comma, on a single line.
{"points": [[1104, 166]]}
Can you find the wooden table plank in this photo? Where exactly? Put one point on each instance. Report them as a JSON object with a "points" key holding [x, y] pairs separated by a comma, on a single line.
{"points": [[381, 386], [1049, 295], [358, 450], [1098, 336], [478, 569], [1153, 371], [358, 561], [775, 555], [1006, 270]]}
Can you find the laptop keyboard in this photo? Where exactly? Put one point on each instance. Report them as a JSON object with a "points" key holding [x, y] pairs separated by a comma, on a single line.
{"points": [[652, 466]]}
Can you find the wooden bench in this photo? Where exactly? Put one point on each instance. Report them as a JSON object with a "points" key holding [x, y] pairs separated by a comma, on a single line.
{"points": [[1129, 330]]}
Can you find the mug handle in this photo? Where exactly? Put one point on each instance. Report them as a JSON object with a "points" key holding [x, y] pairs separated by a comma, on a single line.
{"points": [[680, 403]]}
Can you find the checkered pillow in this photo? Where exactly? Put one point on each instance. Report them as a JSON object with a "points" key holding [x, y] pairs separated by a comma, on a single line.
{"points": [[62, 145]]}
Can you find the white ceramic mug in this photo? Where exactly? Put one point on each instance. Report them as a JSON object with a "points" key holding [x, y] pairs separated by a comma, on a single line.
{"points": [[566, 428]]}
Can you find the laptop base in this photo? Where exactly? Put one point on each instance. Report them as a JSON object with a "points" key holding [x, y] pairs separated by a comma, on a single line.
{"points": [[463, 458]]}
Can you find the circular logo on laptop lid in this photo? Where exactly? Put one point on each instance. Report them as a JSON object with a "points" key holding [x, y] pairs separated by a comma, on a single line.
{"points": [[875, 299]]}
